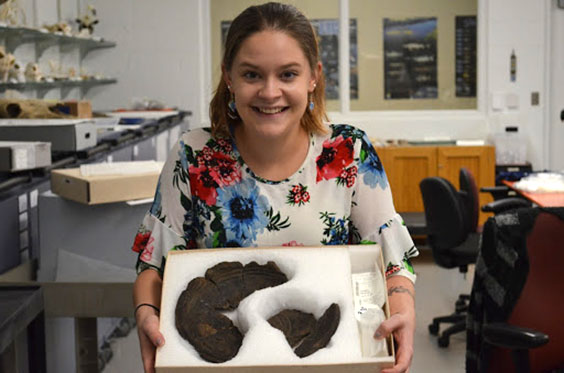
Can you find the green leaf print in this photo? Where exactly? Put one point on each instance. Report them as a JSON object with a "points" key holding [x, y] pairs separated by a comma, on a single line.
{"points": [[275, 224]]}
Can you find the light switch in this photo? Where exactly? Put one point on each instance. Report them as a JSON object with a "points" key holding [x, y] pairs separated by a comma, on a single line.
{"points": [[512, 101], [498, 101], [535, 98]]}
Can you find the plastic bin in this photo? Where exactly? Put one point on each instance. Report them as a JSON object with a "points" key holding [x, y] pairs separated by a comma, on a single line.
{"points": [[510, 147]]}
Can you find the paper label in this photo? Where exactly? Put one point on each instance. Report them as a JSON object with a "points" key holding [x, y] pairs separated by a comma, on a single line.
{"points": [[20, 160], [23, 221], [368, 289], [33, 198], [22, 203]]}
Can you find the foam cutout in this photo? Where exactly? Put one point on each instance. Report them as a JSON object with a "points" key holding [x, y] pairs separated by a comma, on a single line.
{"points": [[317, 277]]}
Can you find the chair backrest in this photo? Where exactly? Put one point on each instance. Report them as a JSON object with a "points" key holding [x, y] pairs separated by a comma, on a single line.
{"points": [[444, 213], [470, 197], [541, 303]]}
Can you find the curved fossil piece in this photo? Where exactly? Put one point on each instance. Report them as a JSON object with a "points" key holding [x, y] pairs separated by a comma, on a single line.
{"points": [[256, 276], [295, 324], [197, 314], [321, 335], [228, 277]]}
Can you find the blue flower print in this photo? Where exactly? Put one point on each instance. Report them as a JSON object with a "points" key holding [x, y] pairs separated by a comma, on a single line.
{"points": [[156, 206], [371, 166], [244, 212], [182, 155]]}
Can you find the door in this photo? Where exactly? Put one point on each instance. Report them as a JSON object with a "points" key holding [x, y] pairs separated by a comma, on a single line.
{"points": [[556, 116]]}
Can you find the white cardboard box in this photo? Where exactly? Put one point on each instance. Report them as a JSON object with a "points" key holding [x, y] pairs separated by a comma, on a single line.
{"points": [[22, 155], [63, 134], [363, 258]]}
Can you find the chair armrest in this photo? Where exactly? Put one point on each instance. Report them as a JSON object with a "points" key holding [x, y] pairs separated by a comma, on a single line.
{"points": [[494, 189], [497, 192], [513, 337], [505, 204]]}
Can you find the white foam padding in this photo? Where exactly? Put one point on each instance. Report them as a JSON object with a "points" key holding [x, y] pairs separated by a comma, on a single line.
{"points": [[317, 278]]}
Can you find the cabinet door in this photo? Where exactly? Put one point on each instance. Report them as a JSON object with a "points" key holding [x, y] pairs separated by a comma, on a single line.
{"points": [[405, 168], [480, 160]]}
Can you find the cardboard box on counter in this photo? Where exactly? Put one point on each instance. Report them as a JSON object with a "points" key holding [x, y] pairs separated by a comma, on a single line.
{"points": [[80, 109], [315, 283], [21, 155], [104, 188]]}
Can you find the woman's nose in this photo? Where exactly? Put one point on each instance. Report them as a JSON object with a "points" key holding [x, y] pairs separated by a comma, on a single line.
{"points": [[270, 89]]}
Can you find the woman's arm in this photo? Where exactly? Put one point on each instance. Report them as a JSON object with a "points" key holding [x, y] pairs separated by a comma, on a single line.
{"points": [[147, 290], [401, 296]]}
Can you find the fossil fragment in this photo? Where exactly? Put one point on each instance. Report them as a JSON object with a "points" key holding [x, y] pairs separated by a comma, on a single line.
{"points": [[228, 277], [321, 335], [295, 325], [197, 314]]}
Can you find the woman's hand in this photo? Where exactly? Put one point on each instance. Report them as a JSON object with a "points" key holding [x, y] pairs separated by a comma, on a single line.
{"points": [[149, 336], [401, 323]]}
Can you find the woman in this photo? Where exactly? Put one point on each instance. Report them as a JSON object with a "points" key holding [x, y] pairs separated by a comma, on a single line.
{"points": [[270, 172]]}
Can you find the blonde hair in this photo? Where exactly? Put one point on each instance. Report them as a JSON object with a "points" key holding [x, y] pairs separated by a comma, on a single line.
{"points": [[278, 17]]}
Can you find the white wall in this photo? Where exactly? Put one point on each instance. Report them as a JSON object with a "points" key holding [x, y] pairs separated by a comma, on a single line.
{"points": [[162, 53], [156, 55]]}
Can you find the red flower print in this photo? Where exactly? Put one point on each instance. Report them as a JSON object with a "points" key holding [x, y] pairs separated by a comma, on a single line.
{"points": [[224, 169], [203, 184], [148, 251], [348, 176], [140, 242], [336, 155], [298, 195], [292, 243]]}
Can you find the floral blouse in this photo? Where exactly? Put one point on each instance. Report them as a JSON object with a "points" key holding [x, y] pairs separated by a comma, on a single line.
{"points": [[207, 197]]}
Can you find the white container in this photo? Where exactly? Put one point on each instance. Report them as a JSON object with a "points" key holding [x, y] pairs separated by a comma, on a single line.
{"points": [[510, 147]]}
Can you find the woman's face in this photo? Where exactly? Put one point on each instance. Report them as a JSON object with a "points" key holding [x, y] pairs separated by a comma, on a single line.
{"points": [[271, 78]]}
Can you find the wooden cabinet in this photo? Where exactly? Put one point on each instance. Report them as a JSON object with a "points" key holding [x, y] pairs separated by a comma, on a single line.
{"points": [[406, 166]]}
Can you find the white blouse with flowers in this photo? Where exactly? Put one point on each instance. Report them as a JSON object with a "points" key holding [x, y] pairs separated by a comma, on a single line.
{"points": [[207, 197]]}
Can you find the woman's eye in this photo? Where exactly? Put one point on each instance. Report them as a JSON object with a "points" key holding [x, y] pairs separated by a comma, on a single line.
{"points": [[288, 75], [250, 75]]}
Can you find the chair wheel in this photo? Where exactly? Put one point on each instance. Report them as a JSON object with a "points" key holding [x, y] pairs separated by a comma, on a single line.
{"points": [[443, 341], [434, 329]]}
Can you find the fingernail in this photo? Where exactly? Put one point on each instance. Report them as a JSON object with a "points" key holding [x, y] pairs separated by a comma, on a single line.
{"points": [[377, 334], [159, 342]]}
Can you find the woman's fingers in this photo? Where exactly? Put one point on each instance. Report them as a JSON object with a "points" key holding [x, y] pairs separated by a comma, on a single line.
{"points": [[388, 326], [150, 337]]}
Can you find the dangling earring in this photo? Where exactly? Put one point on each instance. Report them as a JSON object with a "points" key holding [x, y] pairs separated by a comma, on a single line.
{"points": [[311, 103], [232, 112]]}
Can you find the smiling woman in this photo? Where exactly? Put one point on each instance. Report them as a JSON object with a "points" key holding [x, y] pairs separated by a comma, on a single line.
{"points": [[270, 172]]}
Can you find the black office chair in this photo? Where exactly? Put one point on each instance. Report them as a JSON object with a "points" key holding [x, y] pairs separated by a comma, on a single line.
{"points": [[453, 234], [452, 243], [515, 313]]}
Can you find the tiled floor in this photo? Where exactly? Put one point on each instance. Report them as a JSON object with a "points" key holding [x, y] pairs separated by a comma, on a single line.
{"points": [[437, 290]]}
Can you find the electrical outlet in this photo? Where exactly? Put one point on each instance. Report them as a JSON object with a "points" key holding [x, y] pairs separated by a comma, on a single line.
{"points": [[535, 98]]}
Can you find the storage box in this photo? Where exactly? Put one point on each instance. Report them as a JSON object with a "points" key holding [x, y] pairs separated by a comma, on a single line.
{"points": [[20, 155], [80, 109], [63, 134], [183, 266], [91, 190]]}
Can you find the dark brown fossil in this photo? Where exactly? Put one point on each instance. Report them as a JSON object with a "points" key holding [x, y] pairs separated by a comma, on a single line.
{"points": [[295, 325], [322, 333], [197, 314]]}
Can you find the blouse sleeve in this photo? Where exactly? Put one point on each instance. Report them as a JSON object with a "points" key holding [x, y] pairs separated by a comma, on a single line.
{"points": [[374, 216], [164, 225]]}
